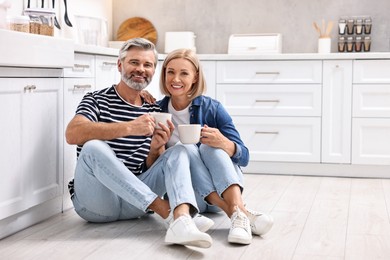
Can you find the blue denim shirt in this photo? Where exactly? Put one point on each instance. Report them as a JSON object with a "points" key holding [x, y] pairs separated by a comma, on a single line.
{"points": [[207, 111]]}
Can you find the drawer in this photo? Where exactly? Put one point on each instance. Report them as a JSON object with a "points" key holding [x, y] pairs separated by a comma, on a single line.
{"points": [[308, 72], [283, 139], [371, 100], [271, 100], [107, 72], [84, 67], [371, 71], [371, 141]]}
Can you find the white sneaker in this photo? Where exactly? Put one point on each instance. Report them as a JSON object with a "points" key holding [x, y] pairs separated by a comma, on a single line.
{"points": [[240, 230], [202, 223], [183, 231], [260, 223]]}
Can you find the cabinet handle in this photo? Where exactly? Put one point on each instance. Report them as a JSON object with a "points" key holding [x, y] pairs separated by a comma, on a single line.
{"points": [[87, 86], [81, 66], [267, 72], [266, 132], [106, 63], [267, 101], [30, 88]]}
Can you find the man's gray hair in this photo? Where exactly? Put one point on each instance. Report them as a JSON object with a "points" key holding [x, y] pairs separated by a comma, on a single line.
{"points": [[138, 43]]}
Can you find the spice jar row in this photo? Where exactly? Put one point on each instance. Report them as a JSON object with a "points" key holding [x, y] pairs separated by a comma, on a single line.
{"points": [[357, 43], [355, 25]]}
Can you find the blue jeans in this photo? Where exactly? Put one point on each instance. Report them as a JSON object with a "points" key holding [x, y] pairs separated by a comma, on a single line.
{"points": [[106, 190], [212, 170]]}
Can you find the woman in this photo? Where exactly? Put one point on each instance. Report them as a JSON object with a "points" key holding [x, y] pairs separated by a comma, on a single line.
{"points": [[216, 160]]}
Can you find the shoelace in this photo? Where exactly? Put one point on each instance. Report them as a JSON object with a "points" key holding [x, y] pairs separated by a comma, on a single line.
{"points": [[239, 220]]}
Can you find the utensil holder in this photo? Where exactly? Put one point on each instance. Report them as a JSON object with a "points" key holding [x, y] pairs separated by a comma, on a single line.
{"points": [[324, 45]]}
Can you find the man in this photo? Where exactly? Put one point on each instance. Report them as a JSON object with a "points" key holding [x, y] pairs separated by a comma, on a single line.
{"points": [[123, 169]]}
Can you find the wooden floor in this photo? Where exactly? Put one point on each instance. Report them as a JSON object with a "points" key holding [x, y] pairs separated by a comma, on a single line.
{"points": [[315, 218]]}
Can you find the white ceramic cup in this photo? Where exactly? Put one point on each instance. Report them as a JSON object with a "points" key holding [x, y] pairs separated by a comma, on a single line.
{"points": [[189, 134], [161, 118]]}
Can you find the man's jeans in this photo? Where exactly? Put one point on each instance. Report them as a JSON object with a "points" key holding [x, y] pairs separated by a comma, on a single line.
{"points": [[105, 189]]}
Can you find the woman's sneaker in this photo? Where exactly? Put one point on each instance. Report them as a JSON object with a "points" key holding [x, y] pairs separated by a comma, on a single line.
{"points": [[240, 230], [260, 223], [202, 223], [183, 231]]}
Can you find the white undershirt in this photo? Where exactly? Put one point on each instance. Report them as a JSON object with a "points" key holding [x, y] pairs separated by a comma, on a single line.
{"points": [[178, 118]]}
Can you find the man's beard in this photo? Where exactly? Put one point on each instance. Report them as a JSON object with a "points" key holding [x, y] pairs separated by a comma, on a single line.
{"points": [[134, 85]]}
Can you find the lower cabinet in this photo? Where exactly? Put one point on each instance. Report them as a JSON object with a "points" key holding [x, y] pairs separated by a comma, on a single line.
{"points": [[31, 152]]}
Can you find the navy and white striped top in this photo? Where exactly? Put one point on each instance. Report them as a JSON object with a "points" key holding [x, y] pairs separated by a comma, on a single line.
{"points": [[107, 106]]}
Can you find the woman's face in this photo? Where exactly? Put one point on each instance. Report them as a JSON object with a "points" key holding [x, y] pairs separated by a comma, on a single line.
{"points": [[180, 75]]}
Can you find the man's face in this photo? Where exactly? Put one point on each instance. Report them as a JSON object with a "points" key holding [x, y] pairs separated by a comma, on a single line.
{"points": [[137, 69]]}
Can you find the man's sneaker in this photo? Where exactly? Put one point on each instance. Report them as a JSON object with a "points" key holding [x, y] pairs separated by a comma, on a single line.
{"points": [[202, 223], [183, 231], [240, 230], [260, 223]]}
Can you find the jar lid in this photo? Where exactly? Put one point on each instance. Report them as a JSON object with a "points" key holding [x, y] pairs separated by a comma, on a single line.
{"points": [[18, 19]]}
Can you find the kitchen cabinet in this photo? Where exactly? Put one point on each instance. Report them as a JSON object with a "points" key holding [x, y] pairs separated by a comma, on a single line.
{"points": [[336, 111], [276, 107], [371, 112], [31, 152]]}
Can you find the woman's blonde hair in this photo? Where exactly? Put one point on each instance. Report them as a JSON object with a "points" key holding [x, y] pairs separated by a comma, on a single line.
{"points": [[199, 87]]}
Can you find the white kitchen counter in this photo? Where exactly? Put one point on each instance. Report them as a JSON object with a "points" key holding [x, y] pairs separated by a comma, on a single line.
{"points": [[19, 49], [30, 50]]}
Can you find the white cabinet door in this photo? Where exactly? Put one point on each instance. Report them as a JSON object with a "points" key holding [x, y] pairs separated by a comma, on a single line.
{"points": [[371, 141], [371, 100], [281, 139], [33, 170], [107, 72], [336, 111], [11, 184]]}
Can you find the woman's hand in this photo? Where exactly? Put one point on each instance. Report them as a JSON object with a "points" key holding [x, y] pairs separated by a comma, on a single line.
{"points": [[147, 97], [214, 138]]}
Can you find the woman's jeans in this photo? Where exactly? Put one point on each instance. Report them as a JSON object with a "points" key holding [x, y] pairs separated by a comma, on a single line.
{"points": [[106, 190], [212, 170]]}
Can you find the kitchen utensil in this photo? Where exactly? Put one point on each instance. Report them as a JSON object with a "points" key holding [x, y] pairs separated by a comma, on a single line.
{"points": [[136, 27], [28, 3], [42, 3], [56, 23], [67, 21], [317, 28]]}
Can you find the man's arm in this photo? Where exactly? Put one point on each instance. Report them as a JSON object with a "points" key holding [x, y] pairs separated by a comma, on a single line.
{"points": [[80, 129]]}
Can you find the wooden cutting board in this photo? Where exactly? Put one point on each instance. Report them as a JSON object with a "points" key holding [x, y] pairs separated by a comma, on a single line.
{"points": [[136, 27]]}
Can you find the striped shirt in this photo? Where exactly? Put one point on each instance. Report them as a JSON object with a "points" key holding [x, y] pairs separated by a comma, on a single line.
{"points": [[107, 106]]}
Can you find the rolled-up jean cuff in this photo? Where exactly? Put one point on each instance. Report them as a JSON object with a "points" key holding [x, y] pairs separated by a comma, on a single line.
{"points": [[146, 205], [227, 186]]}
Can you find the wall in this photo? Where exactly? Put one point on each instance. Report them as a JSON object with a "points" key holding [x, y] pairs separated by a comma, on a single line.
{"points": [[213, 21]]}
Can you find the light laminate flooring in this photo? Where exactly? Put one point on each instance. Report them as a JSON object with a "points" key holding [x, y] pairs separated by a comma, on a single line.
{"points": [[315, 218]]}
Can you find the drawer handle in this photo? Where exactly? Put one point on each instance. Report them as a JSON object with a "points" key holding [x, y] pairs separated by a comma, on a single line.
{"points": [[30, 88], [106, 63], [266, 132], [267, 73], [80, 66], [267, 101], [87, 86]]}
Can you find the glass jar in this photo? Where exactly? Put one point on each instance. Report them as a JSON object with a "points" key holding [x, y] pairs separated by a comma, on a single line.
{"points": [[20, 23], [42, 21]]}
